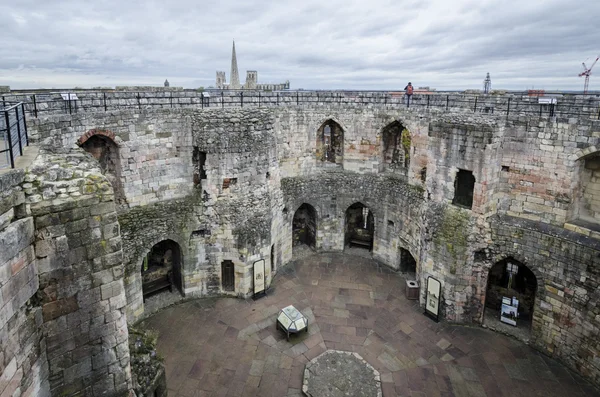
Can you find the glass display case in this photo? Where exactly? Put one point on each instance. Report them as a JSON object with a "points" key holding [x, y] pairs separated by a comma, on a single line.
{"points": [[291, 321]]}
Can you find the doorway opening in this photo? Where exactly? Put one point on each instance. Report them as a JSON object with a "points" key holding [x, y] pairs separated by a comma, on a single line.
{"points": [[510, 298], [360, 227], [227, 276], [161, 269]]}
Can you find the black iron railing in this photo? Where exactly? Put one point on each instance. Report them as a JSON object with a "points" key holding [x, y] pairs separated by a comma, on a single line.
{"points": [[558, 105], [13, 133]]}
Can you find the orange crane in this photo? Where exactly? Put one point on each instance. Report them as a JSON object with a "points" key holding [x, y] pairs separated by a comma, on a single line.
{"points": [[587, 72]]}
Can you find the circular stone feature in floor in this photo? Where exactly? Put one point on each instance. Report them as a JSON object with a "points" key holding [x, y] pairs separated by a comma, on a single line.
{"points": [[338, 373]]}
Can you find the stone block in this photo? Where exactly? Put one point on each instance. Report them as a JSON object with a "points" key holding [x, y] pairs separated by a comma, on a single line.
{"points": [[112, 289], [58, 308]]}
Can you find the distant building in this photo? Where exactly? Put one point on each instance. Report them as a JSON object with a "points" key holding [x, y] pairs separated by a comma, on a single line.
{"points": [[166, 83], [251, 79]]}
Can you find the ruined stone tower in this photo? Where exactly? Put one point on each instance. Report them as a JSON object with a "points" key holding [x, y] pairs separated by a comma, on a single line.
{"points": [[234, 84]]}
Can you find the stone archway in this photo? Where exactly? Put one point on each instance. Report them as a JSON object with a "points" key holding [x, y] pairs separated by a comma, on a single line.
{"points": [[510, 282], [359, 226], [304, 226], [104, 149], [330, 142], [161, 269]]}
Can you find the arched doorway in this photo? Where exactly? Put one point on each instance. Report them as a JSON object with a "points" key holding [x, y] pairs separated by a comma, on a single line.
{"points": [[360, 226], [408, 264], [510, 298], [330, 142], [161, 269], [106, 151], [304, 226], [228, 276], [396, 142]]}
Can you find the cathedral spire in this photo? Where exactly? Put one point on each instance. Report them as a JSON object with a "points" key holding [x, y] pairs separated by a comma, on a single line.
{"points": [[234, 82]]}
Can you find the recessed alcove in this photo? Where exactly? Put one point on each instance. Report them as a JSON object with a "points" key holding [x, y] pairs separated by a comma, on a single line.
{"points": [[360, 227], [464, 184], [395, 147], [510, 298]]}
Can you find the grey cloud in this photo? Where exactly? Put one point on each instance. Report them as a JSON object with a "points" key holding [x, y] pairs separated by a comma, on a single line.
{"points": [[315, 44]]}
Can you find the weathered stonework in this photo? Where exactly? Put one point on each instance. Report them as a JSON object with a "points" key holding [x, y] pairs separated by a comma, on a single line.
{"points": [[79, 262], [237, 200], [23, 360]]}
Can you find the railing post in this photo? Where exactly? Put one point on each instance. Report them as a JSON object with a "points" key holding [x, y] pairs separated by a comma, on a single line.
{"points": [[222, 100], [171, 99], [104, 101], [18, 130], [241, 99], [202, 99], [475, 107], [297, 98], [138, 101], [69, 97], [278, 101], [25, 124], [8, 134], [541, 110], [447, 101], [428, 101], [34, 106], [508, 107], [258, 98]]}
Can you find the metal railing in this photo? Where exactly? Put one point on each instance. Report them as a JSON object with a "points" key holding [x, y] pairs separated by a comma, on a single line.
{"points": [[553, 105], [13, 133]]}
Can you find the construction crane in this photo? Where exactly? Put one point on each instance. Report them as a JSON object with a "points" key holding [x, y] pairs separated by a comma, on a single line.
{"points": [[587, 72]]}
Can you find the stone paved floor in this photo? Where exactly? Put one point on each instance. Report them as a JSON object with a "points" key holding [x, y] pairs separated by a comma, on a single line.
{"points": [[230, 347]]}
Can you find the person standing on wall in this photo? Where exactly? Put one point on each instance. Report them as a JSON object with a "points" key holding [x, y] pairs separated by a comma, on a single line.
{"points": [[408, 92]]}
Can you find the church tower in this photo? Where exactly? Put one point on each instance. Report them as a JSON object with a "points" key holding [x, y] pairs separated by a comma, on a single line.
{"points": [[234, 82]]}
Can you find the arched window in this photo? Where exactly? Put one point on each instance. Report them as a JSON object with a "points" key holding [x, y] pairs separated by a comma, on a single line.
{"points": [[589, 201], [161, 268], [395, 146], [330, 142], [360, 226]]}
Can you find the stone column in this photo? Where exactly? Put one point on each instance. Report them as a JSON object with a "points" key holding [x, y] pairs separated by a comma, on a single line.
{"points": [[79, 261]]}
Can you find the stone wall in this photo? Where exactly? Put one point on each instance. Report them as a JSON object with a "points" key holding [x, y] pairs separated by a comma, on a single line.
{"points": [[260, 165], [396, 206], [79, 266], [144, 226], [154, 149], [566, 313], [23, 360], [44, 102]]}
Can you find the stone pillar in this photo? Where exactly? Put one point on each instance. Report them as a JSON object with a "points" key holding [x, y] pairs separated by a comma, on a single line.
{"points": [[79, 262]]}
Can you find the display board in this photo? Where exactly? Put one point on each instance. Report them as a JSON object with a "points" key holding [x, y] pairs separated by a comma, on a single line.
{"points": [[259, 277], [509, 311], [432, 298]]}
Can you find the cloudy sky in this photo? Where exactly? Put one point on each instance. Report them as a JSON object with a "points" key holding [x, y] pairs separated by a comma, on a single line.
{"points": [[316, 44]]}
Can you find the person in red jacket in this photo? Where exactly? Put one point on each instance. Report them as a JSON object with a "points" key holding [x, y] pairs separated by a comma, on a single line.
{"points": [[408, 92]]}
